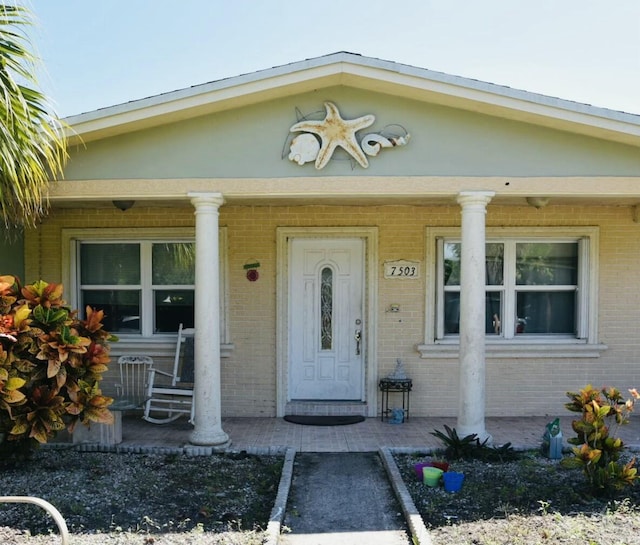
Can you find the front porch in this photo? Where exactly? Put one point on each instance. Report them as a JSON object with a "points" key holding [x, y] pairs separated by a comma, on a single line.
{"points": [[269, 435]]}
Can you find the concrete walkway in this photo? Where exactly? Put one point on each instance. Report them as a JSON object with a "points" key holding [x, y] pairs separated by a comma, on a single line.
{"points": [[350, 498], [342, 498]]}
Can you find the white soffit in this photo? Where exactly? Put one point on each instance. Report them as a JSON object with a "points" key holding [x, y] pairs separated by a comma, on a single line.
{"points": [[360, 72]]}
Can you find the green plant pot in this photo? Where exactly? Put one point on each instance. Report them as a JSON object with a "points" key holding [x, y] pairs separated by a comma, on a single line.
{"points": [[431, 476]]}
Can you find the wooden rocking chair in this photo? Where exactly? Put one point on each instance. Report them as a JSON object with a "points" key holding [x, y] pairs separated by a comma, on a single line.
{"points": [[171, 394]]}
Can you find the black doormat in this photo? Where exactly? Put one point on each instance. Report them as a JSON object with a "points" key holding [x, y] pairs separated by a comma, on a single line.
{"points": [[323, 420]]}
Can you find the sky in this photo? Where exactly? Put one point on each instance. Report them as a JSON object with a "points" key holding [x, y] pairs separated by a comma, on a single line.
{"points": [[99, 53]]}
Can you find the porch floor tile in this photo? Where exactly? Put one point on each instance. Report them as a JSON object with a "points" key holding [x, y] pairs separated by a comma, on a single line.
{"points": [[256, 434]]}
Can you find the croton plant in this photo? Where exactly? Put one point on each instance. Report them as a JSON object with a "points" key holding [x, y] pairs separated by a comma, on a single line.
{"points": [[51, 363]]}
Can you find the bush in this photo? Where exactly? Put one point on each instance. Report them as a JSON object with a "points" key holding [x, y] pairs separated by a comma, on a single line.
{"points": [[598, 450], [51, 364]]}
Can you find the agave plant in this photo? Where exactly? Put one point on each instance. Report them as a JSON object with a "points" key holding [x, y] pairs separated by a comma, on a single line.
{"points": [[456, 447], [51, 363]]}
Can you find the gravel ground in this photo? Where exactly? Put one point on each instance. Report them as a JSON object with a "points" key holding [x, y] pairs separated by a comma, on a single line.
{"points": [[141, 499], [530, 501]]}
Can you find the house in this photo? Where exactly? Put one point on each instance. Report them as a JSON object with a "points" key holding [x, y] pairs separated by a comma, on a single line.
{"points": [[349, 212]]}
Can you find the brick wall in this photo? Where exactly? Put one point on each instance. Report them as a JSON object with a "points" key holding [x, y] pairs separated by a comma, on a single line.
{"points": [[514, 387]]}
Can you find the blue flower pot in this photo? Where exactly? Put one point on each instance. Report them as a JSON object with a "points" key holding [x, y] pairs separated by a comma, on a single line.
{"points": [[452, 481]]}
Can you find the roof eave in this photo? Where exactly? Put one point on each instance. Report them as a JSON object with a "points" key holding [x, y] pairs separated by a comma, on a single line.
{"points": [[364, 73]]}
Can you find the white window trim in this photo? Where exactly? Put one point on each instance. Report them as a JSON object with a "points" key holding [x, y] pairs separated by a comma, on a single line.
{"points": [[72, 237], [584, 346]]}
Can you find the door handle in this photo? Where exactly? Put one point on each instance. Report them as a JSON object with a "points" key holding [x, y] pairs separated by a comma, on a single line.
{"points": [[358, 338]]}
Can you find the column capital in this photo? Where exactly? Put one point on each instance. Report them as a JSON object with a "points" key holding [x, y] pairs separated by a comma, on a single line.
{"points": [[203, 199], [470, 198]]}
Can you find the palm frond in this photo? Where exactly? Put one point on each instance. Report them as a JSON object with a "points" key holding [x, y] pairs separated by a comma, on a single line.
{"points": [[32, 141]]}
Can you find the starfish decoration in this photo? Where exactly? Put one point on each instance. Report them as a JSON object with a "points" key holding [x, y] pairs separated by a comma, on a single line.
{"points": [[337, 132]]}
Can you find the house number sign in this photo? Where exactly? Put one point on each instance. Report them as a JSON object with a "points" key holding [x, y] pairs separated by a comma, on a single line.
{"points": [[402, 269]]}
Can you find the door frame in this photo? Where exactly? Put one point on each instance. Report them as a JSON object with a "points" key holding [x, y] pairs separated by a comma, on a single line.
{"points": [[370, 306]]}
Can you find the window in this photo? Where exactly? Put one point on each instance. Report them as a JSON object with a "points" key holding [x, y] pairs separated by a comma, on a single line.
{"points": [[145, 285], [531, 287], [326, 309], [540, 287]]}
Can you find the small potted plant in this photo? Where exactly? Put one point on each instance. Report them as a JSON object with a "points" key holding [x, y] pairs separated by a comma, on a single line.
{"points": [[418, 467], [440, 464]]}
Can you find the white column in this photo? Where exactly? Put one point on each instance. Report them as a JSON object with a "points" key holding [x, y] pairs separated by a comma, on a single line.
{"points": [[471, 403], [206, 393]]}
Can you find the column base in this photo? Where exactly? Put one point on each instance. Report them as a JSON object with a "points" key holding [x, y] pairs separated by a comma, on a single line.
{"points": [[480, 432], [209, 438]]}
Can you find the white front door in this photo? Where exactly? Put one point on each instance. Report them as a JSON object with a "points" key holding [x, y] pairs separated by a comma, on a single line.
{"points": [[326, 329]]}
